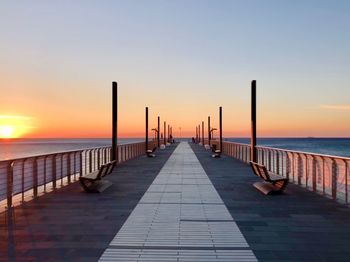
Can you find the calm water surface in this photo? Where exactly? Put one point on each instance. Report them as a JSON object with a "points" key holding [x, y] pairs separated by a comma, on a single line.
{"points": [[17, 148], [328, 146]]}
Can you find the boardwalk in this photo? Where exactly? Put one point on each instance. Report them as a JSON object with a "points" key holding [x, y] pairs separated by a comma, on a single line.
{"points": [[70, 225], [180, 218], [297, 226], [181, 205]]}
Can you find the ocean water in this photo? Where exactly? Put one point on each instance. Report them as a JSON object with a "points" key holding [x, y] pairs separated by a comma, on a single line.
{"points": [[327, 146], [18, 148]]}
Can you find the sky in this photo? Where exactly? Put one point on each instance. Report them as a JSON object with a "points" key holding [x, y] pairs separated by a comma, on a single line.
{"points": [[181, 58]]}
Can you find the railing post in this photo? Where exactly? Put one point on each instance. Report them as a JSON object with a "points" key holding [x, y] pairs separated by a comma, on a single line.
{"points": [[346, 181], [9, 184], [253, 122], [288, 166], [54, 171], [306, 171], [35, 177], [334, 178], [313, 174], [300, 169], [99, 158], [114, 151], [277, 163], [68, 168], [81, 163], [90, 160]]}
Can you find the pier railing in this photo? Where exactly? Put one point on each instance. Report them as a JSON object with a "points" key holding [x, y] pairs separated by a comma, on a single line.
{"points": [[325, 174], [24, 178]]}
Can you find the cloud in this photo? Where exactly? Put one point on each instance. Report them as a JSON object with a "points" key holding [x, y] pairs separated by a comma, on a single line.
{"points": [[336, 107]]}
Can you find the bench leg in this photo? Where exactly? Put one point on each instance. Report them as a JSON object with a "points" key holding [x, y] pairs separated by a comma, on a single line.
{"points": [[84, 185]]}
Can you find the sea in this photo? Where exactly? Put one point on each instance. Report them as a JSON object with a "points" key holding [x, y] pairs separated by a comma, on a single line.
{"points": [[22, 147], [326, 146], [18, 148]]}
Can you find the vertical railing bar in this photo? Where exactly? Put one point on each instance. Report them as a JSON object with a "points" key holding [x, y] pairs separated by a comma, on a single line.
{"points": [[346, 181], [9, 190], [45, 162], [323, 176], [61, 169], [22, 178], [81, 163], [68, 168], [54, 171], [90, 161], [35, 177]]}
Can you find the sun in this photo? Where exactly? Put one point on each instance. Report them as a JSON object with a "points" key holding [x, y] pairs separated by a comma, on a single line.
{"points": [[7, 131]]}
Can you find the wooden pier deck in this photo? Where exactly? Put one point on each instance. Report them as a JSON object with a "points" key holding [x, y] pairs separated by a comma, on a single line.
{"points": [[182, 205]]}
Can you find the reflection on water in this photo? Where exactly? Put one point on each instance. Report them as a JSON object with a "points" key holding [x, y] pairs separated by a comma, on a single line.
{"points": [[17, 148]]}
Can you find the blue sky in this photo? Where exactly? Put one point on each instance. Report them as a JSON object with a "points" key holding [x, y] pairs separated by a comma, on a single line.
{"points": [[202, 54]]}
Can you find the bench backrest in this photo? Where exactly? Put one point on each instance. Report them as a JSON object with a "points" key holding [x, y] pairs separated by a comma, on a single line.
{"points": [[260, 170], [102, 171], [110, 167]]}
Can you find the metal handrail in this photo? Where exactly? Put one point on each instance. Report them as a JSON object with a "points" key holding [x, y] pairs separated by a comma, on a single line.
{"points": [[24, 178], [325, 174]]}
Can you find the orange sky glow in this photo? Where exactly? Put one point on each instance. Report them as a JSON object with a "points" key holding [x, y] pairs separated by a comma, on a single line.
{"points": [[183, 63]]}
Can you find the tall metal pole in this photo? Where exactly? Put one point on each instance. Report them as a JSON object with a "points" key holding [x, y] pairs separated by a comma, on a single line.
{"points": [[164, 133], [220, 113], [203, 133], [199, 133], [253, 155], [209, 134], [196, 134], [158, 131], [114, 152], [168, 132], [146, 147]]}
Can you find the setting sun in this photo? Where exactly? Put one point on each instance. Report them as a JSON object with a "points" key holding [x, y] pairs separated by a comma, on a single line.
{"points": [[6, 131], [14, 126]]}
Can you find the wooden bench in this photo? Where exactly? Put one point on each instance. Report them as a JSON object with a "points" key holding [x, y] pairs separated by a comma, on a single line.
{"points": [[94, 182], [150, 152], [217, 153], [273, 184]]}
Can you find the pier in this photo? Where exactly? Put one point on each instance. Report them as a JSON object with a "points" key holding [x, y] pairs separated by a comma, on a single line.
{"points": [[182, 205]]}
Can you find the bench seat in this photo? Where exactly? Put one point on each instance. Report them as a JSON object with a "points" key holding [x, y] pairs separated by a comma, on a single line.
{"points": [[94, 182], [273, 183], [217, 154], [150, 152]]}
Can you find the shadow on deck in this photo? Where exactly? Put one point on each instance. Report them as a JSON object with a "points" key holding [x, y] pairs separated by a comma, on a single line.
{"points": [[71, 225], [297, 226]]}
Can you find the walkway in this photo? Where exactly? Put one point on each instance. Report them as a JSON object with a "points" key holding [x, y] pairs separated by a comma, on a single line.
{"points": [[297, 226], [70, 225], [181, 217]]}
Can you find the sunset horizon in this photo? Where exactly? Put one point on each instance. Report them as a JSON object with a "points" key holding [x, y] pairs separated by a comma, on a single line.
{"points": [[181, 60], [175, 130]]}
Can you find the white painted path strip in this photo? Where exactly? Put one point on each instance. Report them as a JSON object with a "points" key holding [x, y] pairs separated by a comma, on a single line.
{"points": [[181, 217]]}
